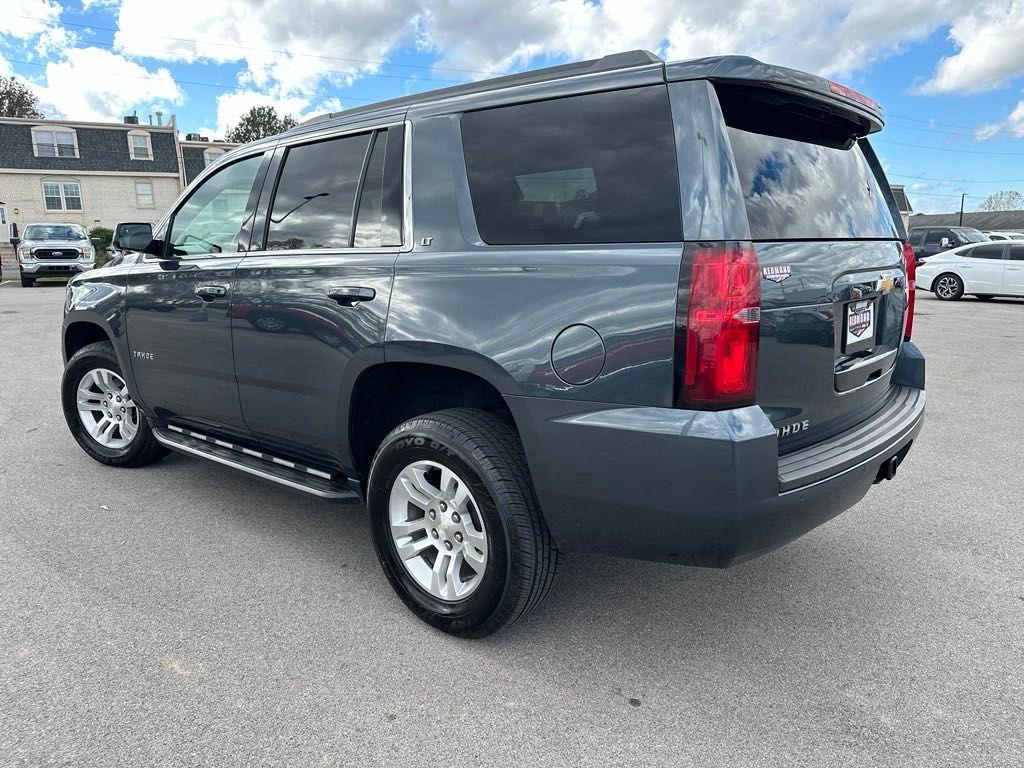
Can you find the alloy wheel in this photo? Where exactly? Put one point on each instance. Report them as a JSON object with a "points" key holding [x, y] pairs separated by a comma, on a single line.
{"points": [[947, 287], [437, 530], [106, 410]]}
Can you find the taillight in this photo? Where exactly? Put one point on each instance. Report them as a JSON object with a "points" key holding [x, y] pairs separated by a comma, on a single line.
{"points": [[849, 93], [723, 325], [910, 262]]}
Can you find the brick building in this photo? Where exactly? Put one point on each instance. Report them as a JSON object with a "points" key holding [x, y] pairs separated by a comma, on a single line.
{"points": [[93, 174]]}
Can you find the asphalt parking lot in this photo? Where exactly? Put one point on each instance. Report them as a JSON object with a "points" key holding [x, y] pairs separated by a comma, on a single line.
{"points": [[186, 615]]}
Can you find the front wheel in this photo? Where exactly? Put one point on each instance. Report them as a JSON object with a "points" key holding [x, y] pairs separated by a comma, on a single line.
{"points": [[949, 287], [101, 413], [27, 282], [456, 523]]}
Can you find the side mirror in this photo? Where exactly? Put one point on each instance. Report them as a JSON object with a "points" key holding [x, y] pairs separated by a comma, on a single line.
{"points": [[135, 241], [944, 242], [96, 242]]}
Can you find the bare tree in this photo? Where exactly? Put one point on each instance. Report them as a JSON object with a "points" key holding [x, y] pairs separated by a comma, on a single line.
{"points": [[17, 99], [1006, 200], [258, 123]]}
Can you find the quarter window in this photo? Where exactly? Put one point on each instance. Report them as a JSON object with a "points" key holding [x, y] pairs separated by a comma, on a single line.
{"points": [[144, 194], [211, 220], [62, 196], [139, 145], [597, 168], [993, 251], [316, 193], [54, 142]]}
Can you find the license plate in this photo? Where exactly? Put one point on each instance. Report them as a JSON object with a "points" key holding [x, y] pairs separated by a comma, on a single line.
{"points": [[860, 323]]}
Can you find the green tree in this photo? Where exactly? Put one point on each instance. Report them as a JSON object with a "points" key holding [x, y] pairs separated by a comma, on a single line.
{"points": [[17, 99], [1006, 200], [258, 123]]}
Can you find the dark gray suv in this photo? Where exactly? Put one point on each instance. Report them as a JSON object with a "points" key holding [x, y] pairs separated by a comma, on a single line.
{"points": [[621, 306]]}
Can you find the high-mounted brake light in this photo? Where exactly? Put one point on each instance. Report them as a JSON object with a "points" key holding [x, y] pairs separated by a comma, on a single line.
{"points": [[910, 261], [849, 93], [723, 326]]}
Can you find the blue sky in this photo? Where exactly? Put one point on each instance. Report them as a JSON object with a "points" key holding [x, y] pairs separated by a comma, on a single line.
{"points": [[949, 73]]}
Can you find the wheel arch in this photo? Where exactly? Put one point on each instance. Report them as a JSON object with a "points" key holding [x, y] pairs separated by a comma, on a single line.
{"points": [[79, 333], [393, 391]]}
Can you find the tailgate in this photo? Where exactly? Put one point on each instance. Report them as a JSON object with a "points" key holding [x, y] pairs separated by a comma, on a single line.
{"points": [[830, 252]]}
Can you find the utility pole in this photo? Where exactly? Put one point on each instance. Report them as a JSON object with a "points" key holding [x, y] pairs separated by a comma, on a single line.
{"points": [[962, 208]]}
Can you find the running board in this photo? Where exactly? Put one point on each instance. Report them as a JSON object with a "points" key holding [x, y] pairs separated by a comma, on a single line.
{"points": [[326, 485]]}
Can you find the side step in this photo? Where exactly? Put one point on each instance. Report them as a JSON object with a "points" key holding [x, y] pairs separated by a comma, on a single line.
{"points": [[285, 472]]}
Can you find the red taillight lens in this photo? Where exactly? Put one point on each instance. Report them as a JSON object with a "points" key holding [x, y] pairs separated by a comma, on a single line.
{"points": [[723, 325], [849, 93], [911, 265]]}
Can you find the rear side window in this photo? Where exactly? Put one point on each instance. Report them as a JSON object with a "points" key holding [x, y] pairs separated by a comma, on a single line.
{"points": [[797, 189], [597, 168], [994, 251], [1017, 252], [316, 193]]}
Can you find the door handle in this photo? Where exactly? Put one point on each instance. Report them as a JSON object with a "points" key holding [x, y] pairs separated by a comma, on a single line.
{"points": [[211, 292], [349, 295]]}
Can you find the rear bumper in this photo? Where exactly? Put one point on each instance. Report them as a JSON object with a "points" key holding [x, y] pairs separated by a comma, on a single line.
{"points": [[699, 487]]}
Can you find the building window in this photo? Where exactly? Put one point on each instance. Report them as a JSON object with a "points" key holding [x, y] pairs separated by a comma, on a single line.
{"points": [[62, 195], [139, 145], [210, 156], [54, 142], [144, 194]]}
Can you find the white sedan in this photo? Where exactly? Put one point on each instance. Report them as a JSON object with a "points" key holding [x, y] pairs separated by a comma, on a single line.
{"points": [[983, 269]]}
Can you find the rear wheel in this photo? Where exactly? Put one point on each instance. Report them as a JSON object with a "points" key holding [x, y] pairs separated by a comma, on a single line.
{"points": [[949, 287], [101, 413], [456, 524]]}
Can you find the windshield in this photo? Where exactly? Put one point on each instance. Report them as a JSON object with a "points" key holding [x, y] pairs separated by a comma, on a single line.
{"points": [[54, 232], [971, 235]]}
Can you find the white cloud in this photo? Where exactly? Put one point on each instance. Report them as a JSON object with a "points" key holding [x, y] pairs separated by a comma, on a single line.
{"points": [[340, 40], [27, 18], [231, 107], [1012, 125], [990, 43], [96, 84], [344, 37]]}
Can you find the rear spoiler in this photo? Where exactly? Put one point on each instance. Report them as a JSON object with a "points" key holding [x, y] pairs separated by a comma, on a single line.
{"points": [[863, 114]]}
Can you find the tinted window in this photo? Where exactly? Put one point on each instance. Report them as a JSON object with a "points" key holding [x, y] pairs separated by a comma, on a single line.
{"points": [[315, 194], [211, 219], [994, 251], [798, 189], [935, 236], [917, 237], [598, 168], [369, 219], [1017, 252], [970, 235]]}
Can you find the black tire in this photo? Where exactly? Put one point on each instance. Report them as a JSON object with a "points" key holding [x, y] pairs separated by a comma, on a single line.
{"points": [[142, 450], [522, 557], [27, 282], [957, 292]]}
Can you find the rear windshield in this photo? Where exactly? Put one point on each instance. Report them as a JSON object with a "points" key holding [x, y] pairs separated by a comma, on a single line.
{"points": [[798, 190]]}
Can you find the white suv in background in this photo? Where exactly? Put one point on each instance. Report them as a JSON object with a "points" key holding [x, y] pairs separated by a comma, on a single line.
{"points": [[983, 269], [54, 250]]}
